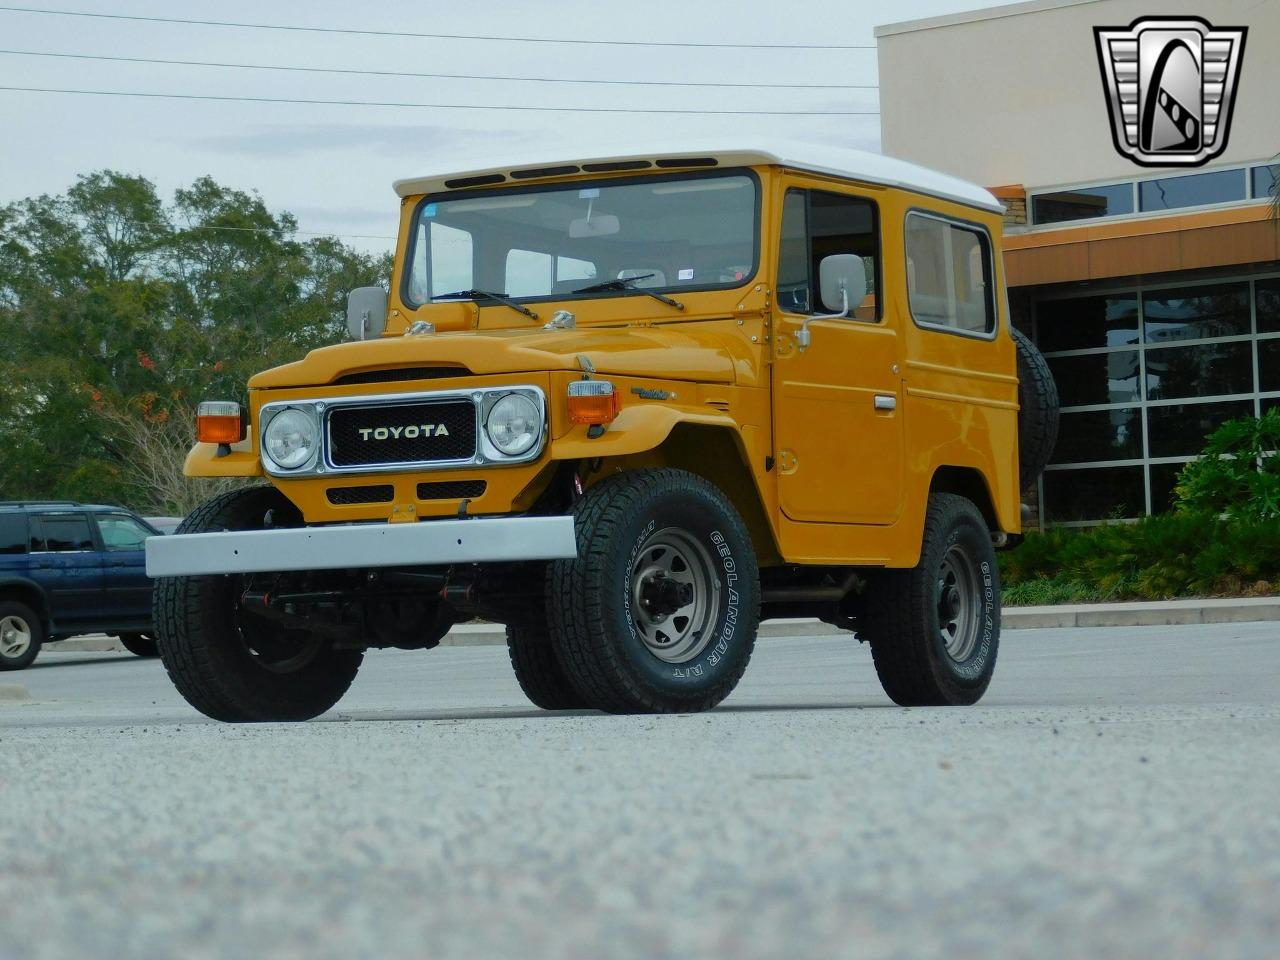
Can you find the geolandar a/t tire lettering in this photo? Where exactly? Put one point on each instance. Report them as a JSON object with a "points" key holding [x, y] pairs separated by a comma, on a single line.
{"points": [[659, 611], [935, 629]]}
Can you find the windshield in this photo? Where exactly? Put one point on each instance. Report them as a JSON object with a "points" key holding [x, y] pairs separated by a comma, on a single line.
{"points": [[687, 232]]}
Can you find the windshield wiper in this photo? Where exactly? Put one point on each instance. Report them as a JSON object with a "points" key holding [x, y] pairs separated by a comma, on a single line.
{"points": [[624, 284], [486, 295]]}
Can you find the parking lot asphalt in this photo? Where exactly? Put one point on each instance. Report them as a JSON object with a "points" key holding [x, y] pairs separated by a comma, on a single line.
{"points": [[1113, 795]]}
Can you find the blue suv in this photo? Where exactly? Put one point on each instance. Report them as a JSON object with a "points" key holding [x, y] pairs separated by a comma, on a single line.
{"points": [[68, 568]]}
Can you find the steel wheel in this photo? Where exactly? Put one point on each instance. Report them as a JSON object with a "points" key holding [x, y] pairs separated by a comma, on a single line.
{"points": [[675, 595], [15, 637], [959, 603]]}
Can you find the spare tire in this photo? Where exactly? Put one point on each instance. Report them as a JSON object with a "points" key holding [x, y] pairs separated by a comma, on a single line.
{"points": [[1038, 416]]}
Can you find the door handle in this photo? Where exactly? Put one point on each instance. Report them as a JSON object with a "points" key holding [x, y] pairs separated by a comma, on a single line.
{"points": [[885, 401]]}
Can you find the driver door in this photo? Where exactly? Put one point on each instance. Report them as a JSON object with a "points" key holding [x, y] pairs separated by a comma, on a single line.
{"points": [[838, 402]]}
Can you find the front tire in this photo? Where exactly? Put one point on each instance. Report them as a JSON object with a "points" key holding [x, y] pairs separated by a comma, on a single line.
{"points": [[21, 635], [935, 629], [658, 613], [537, 668], [227, 664]]}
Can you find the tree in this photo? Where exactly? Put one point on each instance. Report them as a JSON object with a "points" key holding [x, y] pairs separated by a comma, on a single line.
{"points": [[116, 308]]}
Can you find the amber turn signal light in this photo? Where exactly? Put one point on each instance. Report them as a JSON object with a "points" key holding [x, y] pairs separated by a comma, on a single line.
{"points": [[219, 421], [592, 401]]}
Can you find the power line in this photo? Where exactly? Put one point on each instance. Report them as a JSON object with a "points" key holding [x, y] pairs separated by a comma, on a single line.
{"points": [[436, 76], [443, 106], [442, 36]]}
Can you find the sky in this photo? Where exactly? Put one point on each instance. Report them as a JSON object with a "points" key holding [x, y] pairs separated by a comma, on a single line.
{"points": [[332, 165]]}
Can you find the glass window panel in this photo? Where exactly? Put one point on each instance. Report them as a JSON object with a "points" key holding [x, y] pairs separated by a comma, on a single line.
{"points": [[13, 533], [1269, 364], [122, 533], [1202, 370], [1083, 322], [1096, 378], [1179, 430], [528, 273], [61, 533], [571, 268], [1264, 181], [1163, 478], [1169, 193], [948, 275], [1093, 494], [1269, 403], [1196, 313], [1082, 203], [1099, 435], [1267, 293], [696, 231]]}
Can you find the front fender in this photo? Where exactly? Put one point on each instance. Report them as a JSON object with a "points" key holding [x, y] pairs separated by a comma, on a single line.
{"points": [[242, 461], [637, 429]]}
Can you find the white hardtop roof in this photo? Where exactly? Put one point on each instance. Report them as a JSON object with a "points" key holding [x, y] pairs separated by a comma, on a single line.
{"points": [[842, 162]]}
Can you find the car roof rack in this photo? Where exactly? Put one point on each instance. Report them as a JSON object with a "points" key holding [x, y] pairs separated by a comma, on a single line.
{"points": [[39, 503]]}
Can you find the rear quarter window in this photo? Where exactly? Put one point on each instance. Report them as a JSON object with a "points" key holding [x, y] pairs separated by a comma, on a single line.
{"points": [[950, 281], [13, 533]]}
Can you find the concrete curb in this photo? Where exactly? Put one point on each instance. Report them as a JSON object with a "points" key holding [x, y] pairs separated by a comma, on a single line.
{"points": [[1161, 613]]}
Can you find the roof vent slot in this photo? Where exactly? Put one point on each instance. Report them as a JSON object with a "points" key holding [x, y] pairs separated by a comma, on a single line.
{"points": [[615, 165], [481, 181], [687, 162], [544, 172]]}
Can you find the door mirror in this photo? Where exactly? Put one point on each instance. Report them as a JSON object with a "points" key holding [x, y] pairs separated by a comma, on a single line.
{"points": [[843, 281], [366, 312]]}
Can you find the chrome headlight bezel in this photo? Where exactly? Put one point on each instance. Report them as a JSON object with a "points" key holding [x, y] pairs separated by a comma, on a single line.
{"points": [[531, 412], [299, 413]]}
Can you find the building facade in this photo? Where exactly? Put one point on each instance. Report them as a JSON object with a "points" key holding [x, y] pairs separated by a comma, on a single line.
{"points": [[1154, 292]]}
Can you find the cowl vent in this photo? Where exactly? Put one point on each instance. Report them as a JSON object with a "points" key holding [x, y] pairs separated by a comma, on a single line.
{"points": [[401, 374]]}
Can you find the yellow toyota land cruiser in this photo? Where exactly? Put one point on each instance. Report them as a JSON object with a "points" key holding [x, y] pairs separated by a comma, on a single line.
{"points": [[628, 406]]}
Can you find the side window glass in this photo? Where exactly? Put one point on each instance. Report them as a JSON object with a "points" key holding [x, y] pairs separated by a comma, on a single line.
{"points": [[528, 274], [818, 224], [122, 533], [62, 532], [13, 533], [949, 276], [570, 270], [793, 254]]}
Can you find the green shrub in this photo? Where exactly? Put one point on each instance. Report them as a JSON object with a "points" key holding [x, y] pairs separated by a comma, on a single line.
{"points": [[1157, 558], [1222, 537], [1239, 473]]}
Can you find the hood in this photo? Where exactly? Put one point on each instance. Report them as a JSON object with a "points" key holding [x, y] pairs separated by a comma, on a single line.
{"points": [[703, 355]]}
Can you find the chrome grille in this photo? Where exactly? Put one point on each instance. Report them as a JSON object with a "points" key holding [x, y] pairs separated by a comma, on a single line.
{"points": [[437, 431]]}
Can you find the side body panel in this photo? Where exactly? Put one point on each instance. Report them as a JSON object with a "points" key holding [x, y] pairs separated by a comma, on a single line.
{"points": [[956, 407]]}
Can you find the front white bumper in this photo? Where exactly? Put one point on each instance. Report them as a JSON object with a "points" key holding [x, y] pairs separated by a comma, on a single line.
{"points": [[424, 543]]}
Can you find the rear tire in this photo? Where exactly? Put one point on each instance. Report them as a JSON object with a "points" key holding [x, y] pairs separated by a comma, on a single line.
{"points": [[541, 677], [1037, 413], [935, 629], [229, 665], [21, 635], [658, 613], [140, 644]]}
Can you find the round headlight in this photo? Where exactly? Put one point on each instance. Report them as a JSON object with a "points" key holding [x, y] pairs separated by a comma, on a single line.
{"points": [[290, 439], [514, 424]]}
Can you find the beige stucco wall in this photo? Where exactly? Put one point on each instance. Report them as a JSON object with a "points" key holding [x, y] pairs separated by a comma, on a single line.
{"points": [[1016, 96]]}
